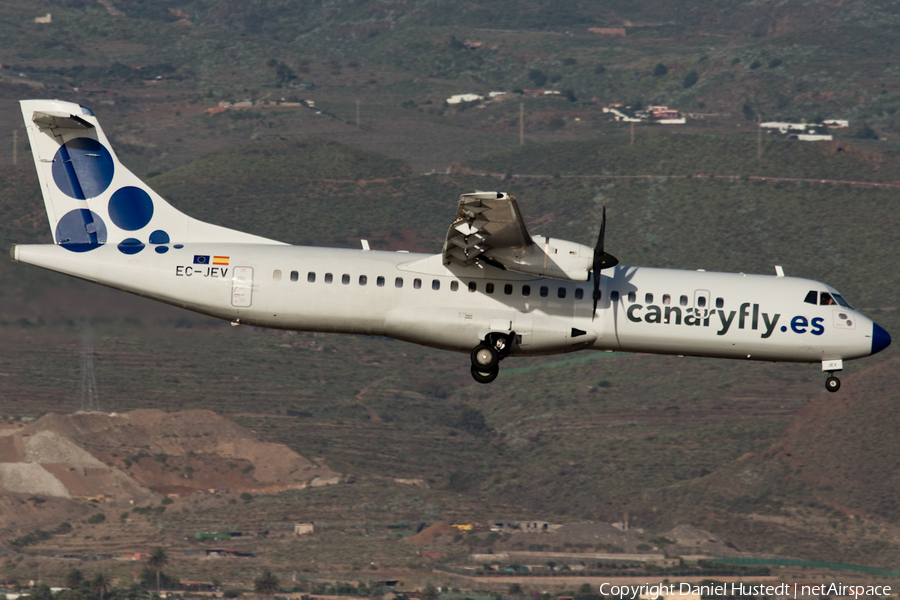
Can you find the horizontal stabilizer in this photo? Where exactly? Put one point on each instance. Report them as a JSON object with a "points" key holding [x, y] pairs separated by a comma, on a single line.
{"points": [[59, 120]]}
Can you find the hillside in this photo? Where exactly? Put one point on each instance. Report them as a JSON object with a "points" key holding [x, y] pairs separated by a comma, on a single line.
{"points": [[841, 446], [775, 59], [757, 455], [666, 153], [139, 455], [838, 455]]}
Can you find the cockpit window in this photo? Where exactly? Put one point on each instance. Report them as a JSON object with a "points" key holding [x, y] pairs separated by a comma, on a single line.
{"points": [[85, 110], [811, 297], [841, 301], [825, 299]]}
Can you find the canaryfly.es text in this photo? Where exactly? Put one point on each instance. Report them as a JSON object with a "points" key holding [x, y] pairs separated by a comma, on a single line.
{"points": [[748, 316]]}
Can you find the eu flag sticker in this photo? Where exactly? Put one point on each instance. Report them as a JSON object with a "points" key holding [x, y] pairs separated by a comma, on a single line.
{"points": [[201, 260]]}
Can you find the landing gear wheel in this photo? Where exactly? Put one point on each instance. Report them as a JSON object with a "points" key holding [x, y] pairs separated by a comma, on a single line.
{"points": [[832, 384], [485, 358], [482, 376]]}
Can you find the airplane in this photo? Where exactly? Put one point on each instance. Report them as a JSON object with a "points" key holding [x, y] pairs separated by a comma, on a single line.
{"points": [[494, 291]]}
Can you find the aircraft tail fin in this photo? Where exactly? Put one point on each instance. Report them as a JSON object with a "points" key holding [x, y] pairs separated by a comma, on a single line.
{"points": [[92, 199]]}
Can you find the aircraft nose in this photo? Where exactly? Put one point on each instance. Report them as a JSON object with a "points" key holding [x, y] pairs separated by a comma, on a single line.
{"points": [[881, 339]]}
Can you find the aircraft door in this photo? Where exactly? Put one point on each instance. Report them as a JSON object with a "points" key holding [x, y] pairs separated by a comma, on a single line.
{"points": [[242, 287]]}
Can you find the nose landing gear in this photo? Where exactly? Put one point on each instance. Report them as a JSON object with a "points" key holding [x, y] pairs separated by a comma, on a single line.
{"points": [[832, 383], [487, 355]]}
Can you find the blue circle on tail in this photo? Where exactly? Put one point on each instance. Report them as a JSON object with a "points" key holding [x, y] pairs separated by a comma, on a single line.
{"points": [[159, 237], [80, 230], [82, 168], [130, 246], [130, 208]]}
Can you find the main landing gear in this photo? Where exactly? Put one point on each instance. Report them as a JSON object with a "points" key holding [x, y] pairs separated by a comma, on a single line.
{"points": [[487, 355]]}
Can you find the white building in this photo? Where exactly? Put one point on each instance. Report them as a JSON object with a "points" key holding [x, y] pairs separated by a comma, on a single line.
{"points": [[304, 528], [458, 98]]}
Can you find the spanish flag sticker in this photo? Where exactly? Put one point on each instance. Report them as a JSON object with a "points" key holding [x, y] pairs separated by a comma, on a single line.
{"points": [[220, 260]]}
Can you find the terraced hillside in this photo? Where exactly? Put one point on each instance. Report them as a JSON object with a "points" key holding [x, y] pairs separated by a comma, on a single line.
{"points": [[589, 436], [754, 453]]}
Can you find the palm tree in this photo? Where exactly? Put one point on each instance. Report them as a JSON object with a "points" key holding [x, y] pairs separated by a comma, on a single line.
{"points": [[157, 560], [100, 584], [266, 584], [74, 578]]}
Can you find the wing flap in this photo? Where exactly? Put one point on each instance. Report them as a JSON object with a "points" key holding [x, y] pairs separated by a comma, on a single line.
{"points": [[489, 229], [484, 221]]}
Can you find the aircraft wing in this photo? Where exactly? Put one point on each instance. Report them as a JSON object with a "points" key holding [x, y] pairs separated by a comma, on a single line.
{"points": [[485, 221], [490, 228]]}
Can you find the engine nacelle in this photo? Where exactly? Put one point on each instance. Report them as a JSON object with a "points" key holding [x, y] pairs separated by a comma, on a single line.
{"points": [[546, 257]]}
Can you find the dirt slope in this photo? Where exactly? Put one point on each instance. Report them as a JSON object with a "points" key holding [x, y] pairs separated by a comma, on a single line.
{"points": [[845, 445], [135, 455]]}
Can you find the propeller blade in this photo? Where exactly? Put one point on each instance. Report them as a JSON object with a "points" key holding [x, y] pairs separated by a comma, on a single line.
{"points": [[602, 260]]}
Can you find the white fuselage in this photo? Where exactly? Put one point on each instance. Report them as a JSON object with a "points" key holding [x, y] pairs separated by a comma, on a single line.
{"points": [[416, 298]]}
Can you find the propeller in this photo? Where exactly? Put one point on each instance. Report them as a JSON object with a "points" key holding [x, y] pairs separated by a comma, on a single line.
{"points": [[602, 260]]}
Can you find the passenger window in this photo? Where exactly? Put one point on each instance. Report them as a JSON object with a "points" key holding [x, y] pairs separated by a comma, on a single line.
{"points": [[380, 281], [398, 283], [436, 284], [295, 275], [614, 296], [472, 287], [683, 301], [826, 299], [632, 297], [417, 284], [311, 277], [276, 275], [329, 278], [720, 303], [545, 291], [561, 292], [579, 293], [812, 297], [667, 299], [454, 285], [363, 280], [526, 290], [345, 279], [507, 289], [701, 301], [489, 288], [648, 298]]}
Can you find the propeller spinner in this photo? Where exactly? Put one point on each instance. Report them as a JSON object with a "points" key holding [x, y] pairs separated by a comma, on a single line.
{"points": [[602, 260]]}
